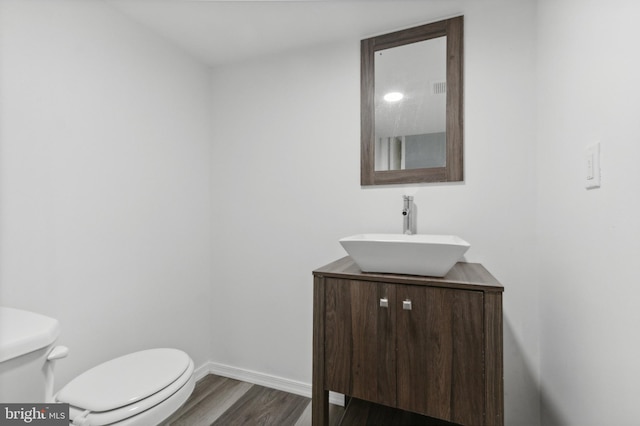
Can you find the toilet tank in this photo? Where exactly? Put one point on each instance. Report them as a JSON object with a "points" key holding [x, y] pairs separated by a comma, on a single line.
{"points": [[25, 341]]}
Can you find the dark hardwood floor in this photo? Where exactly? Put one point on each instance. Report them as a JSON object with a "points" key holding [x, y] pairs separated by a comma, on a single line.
{"points": [[221, 401], [361, 412]]}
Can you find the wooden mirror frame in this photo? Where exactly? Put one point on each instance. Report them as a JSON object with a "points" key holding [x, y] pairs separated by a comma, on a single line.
{"points": [[453, 170]]}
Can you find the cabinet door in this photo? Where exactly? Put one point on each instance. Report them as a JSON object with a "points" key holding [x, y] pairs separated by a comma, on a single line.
{"points": [[440, 353], [359, 340]]}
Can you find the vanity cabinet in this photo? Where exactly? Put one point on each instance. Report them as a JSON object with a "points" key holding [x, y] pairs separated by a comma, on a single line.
{"points": [[427, 345]]}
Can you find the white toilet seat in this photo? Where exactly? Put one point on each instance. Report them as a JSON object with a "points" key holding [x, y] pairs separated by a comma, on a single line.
{"points": [[140, 388]]}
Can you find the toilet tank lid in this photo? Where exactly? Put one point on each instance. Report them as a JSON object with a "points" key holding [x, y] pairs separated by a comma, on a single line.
{"points": [[22, 332]]}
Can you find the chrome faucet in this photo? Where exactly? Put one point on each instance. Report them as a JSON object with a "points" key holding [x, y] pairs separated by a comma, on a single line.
{"points": [[408, 223]]}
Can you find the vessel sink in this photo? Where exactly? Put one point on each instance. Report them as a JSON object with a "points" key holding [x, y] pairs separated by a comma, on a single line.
{"points": [[418, 254]]}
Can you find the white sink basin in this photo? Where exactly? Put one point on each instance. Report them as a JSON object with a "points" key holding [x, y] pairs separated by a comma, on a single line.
{"points": [[418, 254]]}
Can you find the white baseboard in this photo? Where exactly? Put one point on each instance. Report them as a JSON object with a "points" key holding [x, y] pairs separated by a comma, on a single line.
{"points": [[262, 379]]}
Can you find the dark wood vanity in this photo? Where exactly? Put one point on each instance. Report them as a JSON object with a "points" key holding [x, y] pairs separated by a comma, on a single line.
{"points": [[427, 345]]}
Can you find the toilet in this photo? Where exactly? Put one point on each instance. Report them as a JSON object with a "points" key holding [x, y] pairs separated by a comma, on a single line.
{"points": [[141, 388]]}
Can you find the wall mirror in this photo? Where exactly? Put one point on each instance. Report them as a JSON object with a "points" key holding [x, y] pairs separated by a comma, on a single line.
{"points": [[412, 104]]}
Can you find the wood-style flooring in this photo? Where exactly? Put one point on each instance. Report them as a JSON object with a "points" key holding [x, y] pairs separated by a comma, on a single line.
{"points": [[221, 401]]}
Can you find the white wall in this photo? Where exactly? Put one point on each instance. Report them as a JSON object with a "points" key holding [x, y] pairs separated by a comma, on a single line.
{"points": [[286, 184], [104, 181], [588, 239]]}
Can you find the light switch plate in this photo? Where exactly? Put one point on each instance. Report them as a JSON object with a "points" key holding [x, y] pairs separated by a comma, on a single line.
{"points": [[592, 163]]}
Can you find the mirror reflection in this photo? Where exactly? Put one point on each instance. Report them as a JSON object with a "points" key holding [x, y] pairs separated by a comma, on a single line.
{"points": [[410, 105]]}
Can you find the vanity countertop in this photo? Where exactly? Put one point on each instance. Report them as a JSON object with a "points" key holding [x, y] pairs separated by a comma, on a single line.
{"points": [[463, 275]]}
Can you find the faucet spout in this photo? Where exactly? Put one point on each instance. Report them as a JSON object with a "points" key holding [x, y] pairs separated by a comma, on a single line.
{"points": [[408, 223]]}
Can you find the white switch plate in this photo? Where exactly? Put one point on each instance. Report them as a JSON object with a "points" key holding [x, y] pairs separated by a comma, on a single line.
{"points": [[592, 163]]}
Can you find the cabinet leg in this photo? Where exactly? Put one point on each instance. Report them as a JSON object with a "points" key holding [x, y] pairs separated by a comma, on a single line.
{"points": [[320, 408], [319, 396]]}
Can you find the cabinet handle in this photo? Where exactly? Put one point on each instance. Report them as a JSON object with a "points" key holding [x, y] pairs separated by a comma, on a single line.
{"points": [[384, 302], [406, 305]]}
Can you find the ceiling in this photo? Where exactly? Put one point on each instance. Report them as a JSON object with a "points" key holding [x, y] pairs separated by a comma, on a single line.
{"points": [[224, 32]]}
